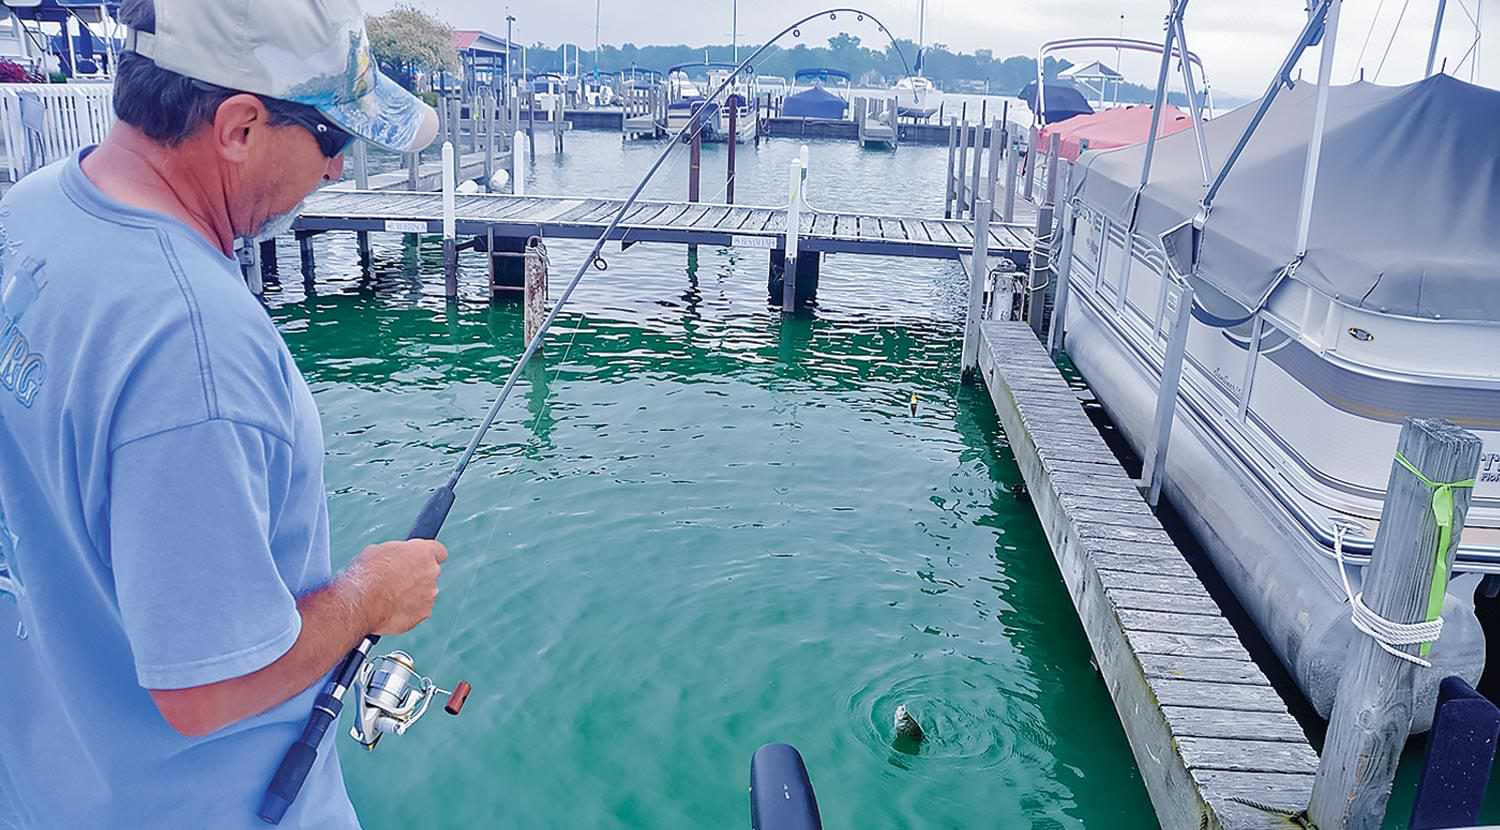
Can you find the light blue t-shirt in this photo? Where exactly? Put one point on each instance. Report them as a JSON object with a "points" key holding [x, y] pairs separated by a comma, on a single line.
{"points": [[161, 507]]}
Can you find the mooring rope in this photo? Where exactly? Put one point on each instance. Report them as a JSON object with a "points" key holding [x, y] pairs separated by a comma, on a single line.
{"points": [[1386, 633]]}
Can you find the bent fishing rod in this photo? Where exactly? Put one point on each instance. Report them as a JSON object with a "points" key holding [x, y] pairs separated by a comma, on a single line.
{"points": [[392, 696]]}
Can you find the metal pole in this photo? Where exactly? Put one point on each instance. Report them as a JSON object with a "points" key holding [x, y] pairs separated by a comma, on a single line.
{"points": [[978, 269], [1153, 472], [1320, 117], [1173, 17], [1194, 111], [510, 22], [1405, 582], [1437, 29]]}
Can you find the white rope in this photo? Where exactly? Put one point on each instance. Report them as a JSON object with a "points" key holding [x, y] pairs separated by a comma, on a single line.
{"points": [[1385, 633]]}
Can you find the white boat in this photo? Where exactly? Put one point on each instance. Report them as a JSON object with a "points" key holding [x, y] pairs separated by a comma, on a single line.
{"points": [[1301, 363], [549, 90], [916, 96], [688, 99]]}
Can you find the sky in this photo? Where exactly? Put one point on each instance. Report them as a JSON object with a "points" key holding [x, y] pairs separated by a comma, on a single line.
{"points": [[1241, 41]]}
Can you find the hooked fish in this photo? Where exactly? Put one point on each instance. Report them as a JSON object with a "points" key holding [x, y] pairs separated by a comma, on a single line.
{"points": [[907, 726]]}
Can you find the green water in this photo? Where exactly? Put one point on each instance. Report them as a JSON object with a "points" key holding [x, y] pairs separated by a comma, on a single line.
{"points": [[697, 529]]}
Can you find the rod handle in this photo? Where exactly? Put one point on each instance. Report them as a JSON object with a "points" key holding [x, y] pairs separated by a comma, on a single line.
{"points": [[434, 513], [288, 781], [458, 697]]}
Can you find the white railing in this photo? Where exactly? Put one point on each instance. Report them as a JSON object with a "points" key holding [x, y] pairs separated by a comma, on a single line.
{"points": [[73, 116]]}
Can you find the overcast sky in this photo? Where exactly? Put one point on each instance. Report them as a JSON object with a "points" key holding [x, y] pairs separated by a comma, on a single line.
{"points": [[1240, 41]]}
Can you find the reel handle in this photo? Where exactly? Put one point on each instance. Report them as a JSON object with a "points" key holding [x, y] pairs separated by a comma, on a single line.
{"points": [[458, 697]]}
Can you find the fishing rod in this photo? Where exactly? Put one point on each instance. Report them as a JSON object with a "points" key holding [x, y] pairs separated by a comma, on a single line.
{"points": [[392, 695]]}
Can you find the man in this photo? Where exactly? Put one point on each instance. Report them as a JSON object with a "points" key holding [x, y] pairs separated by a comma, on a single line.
{"points": [[167, 611]]}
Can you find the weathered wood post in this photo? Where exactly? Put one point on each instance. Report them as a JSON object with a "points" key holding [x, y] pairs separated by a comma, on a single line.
{"points": [[535, 299], [491, 105], [1063, 264], [362, 182], [793, 231], [893, 118], [999, 137], [413, 170], [974, 178], [455, 125], [978, 269], [249, 257], [557, 125], [734, 138], [861, 112], [1054, 151], [268, 258], [1029, 170], [531, 121], [1012, 165], [1179, 315], [450, 222], [695, 164], [309, 259], [958, 174], [1426, 503], [1041, 264]]}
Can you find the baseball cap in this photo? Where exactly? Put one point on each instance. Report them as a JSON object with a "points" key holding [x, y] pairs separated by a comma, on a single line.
{"points": [[312, 52]]}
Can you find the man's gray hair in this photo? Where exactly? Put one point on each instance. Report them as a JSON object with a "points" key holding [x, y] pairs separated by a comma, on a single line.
{"points": [[169, 108]]}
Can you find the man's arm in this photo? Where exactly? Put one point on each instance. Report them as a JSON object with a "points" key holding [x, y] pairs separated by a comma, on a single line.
{"points": [[389, 589]]}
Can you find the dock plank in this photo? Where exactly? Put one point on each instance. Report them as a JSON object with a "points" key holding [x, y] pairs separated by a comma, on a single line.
{"points": [[1197, 710]]}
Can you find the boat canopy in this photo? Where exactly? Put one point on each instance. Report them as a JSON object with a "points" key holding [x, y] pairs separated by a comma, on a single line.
{"points": [[820, 75], [1120, 127], [1404, 216], [814, 103], [704, 65], [1063, 102]]}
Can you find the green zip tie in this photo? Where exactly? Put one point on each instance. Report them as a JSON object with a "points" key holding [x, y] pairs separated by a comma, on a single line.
{"points": [[1442, 510]]}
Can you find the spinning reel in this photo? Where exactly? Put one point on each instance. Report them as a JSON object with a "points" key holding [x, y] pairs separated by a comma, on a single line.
{"points": [[392, 697]]}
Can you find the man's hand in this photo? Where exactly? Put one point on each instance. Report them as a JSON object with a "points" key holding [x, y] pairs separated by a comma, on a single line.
{"points": [[397, 583], [389, 589]]}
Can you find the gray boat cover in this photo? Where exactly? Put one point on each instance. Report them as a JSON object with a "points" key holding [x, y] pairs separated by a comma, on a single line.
{"points": [[1405, 216]]}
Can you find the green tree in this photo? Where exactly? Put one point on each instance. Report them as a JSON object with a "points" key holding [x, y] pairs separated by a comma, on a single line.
{"points": [[407, 40]]}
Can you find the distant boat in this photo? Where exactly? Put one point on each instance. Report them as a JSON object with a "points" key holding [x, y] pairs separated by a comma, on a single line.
{"points": [[916, 96], [817, 101], [688, 99]]}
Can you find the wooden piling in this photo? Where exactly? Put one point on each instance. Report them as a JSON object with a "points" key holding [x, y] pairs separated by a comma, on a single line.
{"points": [[1041, 256], [450, 221], [974, 177], [531, 122], [309, 259], [1054, 151], [268, 260], [535, 300], [734, 138], [953, 150], [793, 231], [958, 174], [413, 170], [695, 165], [998, 137], [362, 182], [1405, 582], [1029, 169], [978, 270], [1012, 165]]}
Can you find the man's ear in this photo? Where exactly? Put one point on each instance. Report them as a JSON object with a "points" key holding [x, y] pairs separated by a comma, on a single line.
{"points": [[239, 122]]}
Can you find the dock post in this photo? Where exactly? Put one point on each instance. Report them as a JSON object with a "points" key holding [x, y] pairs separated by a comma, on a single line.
{"points": [[1012, 162], [974, 190], [450, 222], [1054, 151], [1041, 264], [362, 182], [268, 262], [517, 166], [490, 107], [249, 257], [984, 108], [978, 269], [793, 231], [861, 112], [413, 170], [531, 121], [1179, 310], [958, 173], [1029, 170], [734, 138], [895, 121], [1062, 265], [952, 156], [535, 299], [1406, 581], [998, 136], [557, 126], [309, 259]]}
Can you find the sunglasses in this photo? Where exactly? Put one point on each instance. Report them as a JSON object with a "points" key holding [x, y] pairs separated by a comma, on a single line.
{"points": [[332, 139]]}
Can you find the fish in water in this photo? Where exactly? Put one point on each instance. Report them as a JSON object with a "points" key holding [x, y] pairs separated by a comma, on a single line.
{"points": [[907, 726]]}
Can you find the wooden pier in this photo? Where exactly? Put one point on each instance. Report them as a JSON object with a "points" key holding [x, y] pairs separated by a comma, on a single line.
{"points": [[688, 223], [1214, 741]]}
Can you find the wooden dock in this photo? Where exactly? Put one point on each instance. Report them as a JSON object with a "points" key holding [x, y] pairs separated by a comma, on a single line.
{"points": [[690, 223], [1210, 735], [429, 174]]}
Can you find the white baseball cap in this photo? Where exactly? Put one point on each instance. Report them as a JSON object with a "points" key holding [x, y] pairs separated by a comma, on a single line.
{"points": [[312, 52]]}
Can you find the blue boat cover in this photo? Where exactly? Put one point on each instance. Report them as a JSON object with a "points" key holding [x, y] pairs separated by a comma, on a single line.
{"points": [[814, 103], [1063, 102]]}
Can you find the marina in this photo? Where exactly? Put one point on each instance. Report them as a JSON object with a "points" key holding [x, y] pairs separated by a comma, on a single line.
{"points": [[1064, 462]]}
